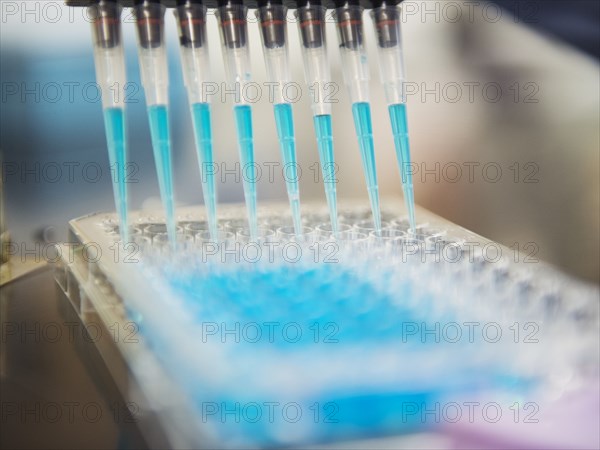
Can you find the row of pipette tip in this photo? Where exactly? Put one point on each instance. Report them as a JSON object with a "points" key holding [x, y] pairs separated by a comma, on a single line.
{"points": [[191, 20]]}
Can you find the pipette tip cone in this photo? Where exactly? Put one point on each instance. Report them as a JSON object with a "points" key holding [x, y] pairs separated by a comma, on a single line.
{"points": [[332, 203], [410, 207], [213, 229], [252, 221], [296, 217], [375, 209]]}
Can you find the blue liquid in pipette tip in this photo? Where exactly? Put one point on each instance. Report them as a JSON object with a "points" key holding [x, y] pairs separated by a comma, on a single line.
{"points": [[325, 144], [243, 124], [400, 131], [114, 121], [161, 144], [287, 144], [364, 132], [203, 135]]}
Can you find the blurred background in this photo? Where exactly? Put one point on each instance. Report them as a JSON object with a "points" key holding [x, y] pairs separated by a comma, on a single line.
{"points": [[503, 112]]}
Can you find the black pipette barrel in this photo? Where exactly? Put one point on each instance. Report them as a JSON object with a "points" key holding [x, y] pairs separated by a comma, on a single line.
{"points": [[191, 21], [312, 20], [150, 22], [272, 23], [232, 20], [105, 14]]}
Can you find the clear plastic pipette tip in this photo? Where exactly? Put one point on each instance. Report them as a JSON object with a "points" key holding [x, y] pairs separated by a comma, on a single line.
{"points": [[243, 122], [313, 38], [203, 134], [109, 62], [114, 119], [273, 33], [364, 132], [387, 21], [325, 144], [356, 77], [236, 56], [401, 142], [155, 79], [287, 144], [195, 63], [161, 144]]}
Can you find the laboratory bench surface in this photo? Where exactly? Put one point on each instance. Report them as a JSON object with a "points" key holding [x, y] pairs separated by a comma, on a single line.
{"points": [[55, 390]]}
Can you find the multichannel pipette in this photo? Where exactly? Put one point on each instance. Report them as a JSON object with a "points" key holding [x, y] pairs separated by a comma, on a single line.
{"points": [[231, 15], [273, 26], [386, 20], [356, 77], [311, 25], [234, 39], [155, 79], [191, 20], [110, 74]]}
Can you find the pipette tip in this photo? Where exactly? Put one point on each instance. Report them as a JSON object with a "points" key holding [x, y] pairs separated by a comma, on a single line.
{"points": [[243, 123], [114, 120], [364, 132], [323, 130], [204, 141], [287, 144], [161, 144]]}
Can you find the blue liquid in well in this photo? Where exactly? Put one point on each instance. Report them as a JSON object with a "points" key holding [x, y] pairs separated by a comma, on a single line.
{"points": [[325, 144], [243, 124], [114, 121], [203, 135], [364, 132], [161, 144], [400, 131], [287, 144], [367, 318]]}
